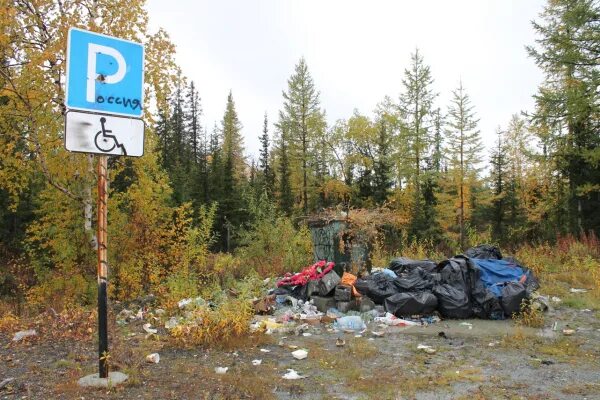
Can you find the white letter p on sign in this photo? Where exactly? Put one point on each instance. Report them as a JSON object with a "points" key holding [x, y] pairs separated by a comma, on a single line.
{"points": [[93, 51]]}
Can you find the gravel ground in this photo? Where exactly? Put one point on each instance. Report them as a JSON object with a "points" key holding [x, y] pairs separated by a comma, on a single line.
{"points": [[486, 360]]}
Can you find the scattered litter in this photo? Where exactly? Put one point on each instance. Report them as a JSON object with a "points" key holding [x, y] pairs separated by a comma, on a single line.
{"points": [[378, 333], [300, 354], [555, 326], [306, 334], [568, 332], [153, 358], [573, 290], [271, 325], [221, 370], [148, 328], [392, 320], [24, 334], [256, 362], [265, 350], [171, 323], [350, 322], [493, 344], [198, 301], [340, 342], [426, 349], [291, 374], [292, 346], [467, 324], [6, 382], [357, 336], [556, 299]]}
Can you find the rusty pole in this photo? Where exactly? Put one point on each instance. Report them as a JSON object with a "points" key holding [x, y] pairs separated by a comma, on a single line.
{"points": [[102, 267]]}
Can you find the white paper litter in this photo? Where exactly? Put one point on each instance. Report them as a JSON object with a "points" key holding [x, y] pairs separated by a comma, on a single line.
{"points": [[256, 362], [426, 349], [221, 370], [148, 328], [300, 354], [291, 374], [573, 290], [23, 334]]}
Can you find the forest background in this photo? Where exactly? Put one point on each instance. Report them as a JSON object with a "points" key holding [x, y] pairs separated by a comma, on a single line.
{"points": [[196, 213]]}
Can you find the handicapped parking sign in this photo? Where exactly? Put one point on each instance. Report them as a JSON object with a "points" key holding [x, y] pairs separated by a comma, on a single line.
{"points": [[104, 74]]}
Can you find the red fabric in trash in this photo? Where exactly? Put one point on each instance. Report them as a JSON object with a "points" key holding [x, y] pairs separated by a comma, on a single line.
{"points": [[311, 273]]}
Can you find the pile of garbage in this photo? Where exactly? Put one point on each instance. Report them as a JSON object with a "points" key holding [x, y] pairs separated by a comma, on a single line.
{"points": [[481, 283]]}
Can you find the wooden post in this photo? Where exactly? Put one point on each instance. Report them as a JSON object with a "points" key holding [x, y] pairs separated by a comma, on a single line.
{"points": [[102, 267]]}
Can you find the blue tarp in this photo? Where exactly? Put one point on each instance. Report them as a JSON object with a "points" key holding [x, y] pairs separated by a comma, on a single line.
{"points": [[493, 273]]}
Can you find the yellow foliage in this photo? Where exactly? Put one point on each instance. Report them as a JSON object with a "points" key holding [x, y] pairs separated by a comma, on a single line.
{"points": [[148, 238], [274, 247], [206, 326], [529, 316], [9, 323]]}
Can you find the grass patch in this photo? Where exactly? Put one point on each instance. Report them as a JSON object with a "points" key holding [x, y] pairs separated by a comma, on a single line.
{"points": [[586, 389]]}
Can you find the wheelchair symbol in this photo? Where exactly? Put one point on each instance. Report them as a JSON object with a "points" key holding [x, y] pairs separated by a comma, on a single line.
{"points": [[105, 142]]}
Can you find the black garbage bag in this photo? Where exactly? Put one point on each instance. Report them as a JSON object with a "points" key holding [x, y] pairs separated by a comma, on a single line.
{"points": [[484, 302], [362, 286], [486, 251], [452, 302], [382, 286], [531, 282], [455, 272], [415, 280], [513, 294], [402, 264], [407, 304]]}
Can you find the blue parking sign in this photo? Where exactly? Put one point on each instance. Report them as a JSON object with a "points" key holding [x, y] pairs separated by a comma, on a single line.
{"points": [[104, 74]]}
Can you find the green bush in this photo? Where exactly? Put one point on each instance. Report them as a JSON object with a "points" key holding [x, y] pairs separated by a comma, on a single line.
{"points": [[274, 246]]}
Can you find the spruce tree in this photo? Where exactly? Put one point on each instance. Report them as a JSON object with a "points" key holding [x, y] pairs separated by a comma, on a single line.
{"points": [[416, 104], [382, 166], [437, 155], [304, 119], [192, 120], [465, 147], [268, 177], [567, 111], [498, 181], [415, 107], [286, 197], [232, 140]]}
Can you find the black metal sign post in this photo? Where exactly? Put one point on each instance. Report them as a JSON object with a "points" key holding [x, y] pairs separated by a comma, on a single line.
{"points": [[103, 354]]}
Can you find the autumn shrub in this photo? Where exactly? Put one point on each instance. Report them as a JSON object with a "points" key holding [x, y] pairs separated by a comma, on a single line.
{"points": [[569, 263], [419, 249], [206, 326], [179, 286], [274, 246], [9, 322], [529, 316]]}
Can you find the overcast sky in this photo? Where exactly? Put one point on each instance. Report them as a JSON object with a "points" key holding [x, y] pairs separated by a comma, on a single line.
{"points": [[356, 52]]}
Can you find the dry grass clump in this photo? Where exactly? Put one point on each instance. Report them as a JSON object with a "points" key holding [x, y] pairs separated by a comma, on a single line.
{"points": [[207, 326], [529, 316], [569, 263]]}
